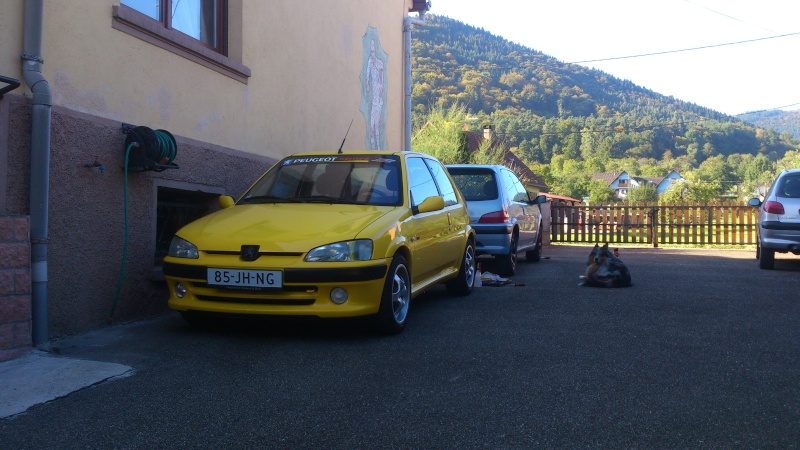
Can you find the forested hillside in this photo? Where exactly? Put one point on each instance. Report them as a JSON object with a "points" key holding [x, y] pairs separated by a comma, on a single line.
{"points": [[549, 111], [781, 121]]}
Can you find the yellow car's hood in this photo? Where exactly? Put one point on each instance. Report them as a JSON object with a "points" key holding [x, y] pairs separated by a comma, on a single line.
{"points": [[280, 227]]}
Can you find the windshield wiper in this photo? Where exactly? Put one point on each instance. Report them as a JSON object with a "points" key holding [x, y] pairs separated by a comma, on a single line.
{"points": [[262, 199], [320, 199]]}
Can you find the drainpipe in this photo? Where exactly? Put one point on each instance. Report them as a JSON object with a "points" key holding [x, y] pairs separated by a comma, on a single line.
{"points": [[40, 165], [407, 22]]}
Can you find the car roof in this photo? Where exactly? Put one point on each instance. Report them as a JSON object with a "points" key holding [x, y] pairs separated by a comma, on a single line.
{"points": [[355, 152], [476, 166]]}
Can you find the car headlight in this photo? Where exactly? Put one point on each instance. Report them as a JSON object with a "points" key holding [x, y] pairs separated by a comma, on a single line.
{"points": [[181, 248], [358, 250]]}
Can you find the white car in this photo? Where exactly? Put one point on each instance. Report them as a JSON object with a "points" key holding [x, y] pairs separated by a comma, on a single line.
{"points": [[779, 219], [505, 218]]}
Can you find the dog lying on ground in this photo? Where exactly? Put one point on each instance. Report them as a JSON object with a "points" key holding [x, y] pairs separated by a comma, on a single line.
{"points": [[603, 269]]}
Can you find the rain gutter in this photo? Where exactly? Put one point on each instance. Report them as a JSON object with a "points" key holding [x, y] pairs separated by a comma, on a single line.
{"points": [[32, 62]]}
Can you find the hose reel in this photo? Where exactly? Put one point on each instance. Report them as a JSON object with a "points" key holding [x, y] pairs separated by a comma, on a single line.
{"points": [[145, 150], [149, 150]]}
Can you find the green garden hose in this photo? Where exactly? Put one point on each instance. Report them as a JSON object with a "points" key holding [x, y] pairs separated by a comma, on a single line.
{"points": [[110, 318]]}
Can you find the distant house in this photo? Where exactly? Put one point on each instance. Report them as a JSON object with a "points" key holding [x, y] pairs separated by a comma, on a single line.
{"points": [[663, 183], [622, 182], [532, 182]]}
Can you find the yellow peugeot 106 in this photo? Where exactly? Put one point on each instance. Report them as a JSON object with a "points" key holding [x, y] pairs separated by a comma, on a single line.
{"points": [[338, 234]]}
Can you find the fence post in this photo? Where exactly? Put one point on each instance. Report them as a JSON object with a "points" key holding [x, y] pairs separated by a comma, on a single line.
{"points": [[653, 226]]}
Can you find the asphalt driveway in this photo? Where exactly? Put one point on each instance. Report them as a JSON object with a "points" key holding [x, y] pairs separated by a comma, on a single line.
{"points": [[703, 351]]}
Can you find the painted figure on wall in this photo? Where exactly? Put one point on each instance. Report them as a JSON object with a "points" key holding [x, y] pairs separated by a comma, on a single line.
{"points": [[373, 90]]}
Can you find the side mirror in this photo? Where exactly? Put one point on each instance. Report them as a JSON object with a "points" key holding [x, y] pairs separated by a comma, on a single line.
{"points": [[226, 201], [754, 202], [541, 199], [430, 204]]}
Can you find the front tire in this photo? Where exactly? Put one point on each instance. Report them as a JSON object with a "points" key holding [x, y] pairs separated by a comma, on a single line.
{"points": [[395, 299], [535, 254], [462, 284]]}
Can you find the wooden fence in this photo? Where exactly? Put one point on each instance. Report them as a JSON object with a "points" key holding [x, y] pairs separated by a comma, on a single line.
{"points": [[649, 223]]}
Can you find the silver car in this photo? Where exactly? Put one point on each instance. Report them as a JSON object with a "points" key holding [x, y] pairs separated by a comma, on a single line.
{"points": [[504, 216], [779, 219]]}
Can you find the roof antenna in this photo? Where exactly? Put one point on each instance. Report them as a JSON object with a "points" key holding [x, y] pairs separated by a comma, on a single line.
{"points": [[345, 135]]}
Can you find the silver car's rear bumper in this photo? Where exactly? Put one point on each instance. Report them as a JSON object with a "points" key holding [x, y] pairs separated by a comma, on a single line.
{"points": [[780, 236], [493, 239]]}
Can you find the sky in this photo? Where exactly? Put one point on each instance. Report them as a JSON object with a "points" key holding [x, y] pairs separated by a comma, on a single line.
{"points": [[745, 76]]}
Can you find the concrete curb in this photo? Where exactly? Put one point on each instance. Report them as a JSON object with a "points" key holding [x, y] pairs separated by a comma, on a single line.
{"points": [[40, 377]]}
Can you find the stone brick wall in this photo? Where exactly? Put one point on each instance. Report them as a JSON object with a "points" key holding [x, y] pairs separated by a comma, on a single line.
{"points": [[15, 286]]}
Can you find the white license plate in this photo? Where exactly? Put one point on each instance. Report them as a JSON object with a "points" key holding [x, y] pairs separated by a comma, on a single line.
{"points": [[245, 278]]}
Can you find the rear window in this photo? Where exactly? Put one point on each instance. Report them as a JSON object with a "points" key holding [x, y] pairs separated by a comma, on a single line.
{"points": [[789, 187], [475, 185]]}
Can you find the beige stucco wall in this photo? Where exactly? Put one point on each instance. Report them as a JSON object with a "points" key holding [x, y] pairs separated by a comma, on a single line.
{"points": [[305, 59], [11, 38]]}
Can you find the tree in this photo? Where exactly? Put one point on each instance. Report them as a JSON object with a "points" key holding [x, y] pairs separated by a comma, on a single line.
{"points": [[600, 192], [442, 135], [486, 154], [701, 190], [644, 193], [790, 160], [677, 192]]}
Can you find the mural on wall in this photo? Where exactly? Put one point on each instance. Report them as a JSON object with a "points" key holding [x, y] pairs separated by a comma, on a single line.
{"points": [[373, 90]]}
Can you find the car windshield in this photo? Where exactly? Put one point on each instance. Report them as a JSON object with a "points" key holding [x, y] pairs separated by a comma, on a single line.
{"points": [[349, 179]]}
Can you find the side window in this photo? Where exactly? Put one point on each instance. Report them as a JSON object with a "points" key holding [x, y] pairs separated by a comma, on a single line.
{"points": [[445, 186], [517, 190], [508, 185], [200, 19], [420, 181], [197, 30]]}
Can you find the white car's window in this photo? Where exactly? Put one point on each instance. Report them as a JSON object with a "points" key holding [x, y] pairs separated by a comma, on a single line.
{"points": [[519, 192], [508, 185]]}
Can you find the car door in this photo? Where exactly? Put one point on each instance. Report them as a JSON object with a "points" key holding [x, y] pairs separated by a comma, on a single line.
{"points": [[452, 242], [520, 209], [424, 230]]}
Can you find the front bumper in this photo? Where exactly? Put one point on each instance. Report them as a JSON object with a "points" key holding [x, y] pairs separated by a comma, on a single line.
{"points": [[305, 292]]}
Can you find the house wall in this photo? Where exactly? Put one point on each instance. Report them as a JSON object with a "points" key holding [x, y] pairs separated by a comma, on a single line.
{"points": [[671, 178], [622, 184], [305, 61], [15, 287]]}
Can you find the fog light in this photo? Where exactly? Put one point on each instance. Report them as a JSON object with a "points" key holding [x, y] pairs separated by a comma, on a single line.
{"points": [[180, 290], [338, 295]]}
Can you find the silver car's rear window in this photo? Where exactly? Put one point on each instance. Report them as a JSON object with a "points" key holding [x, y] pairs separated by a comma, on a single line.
{"points": [[475, 185], [788, 187]]}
